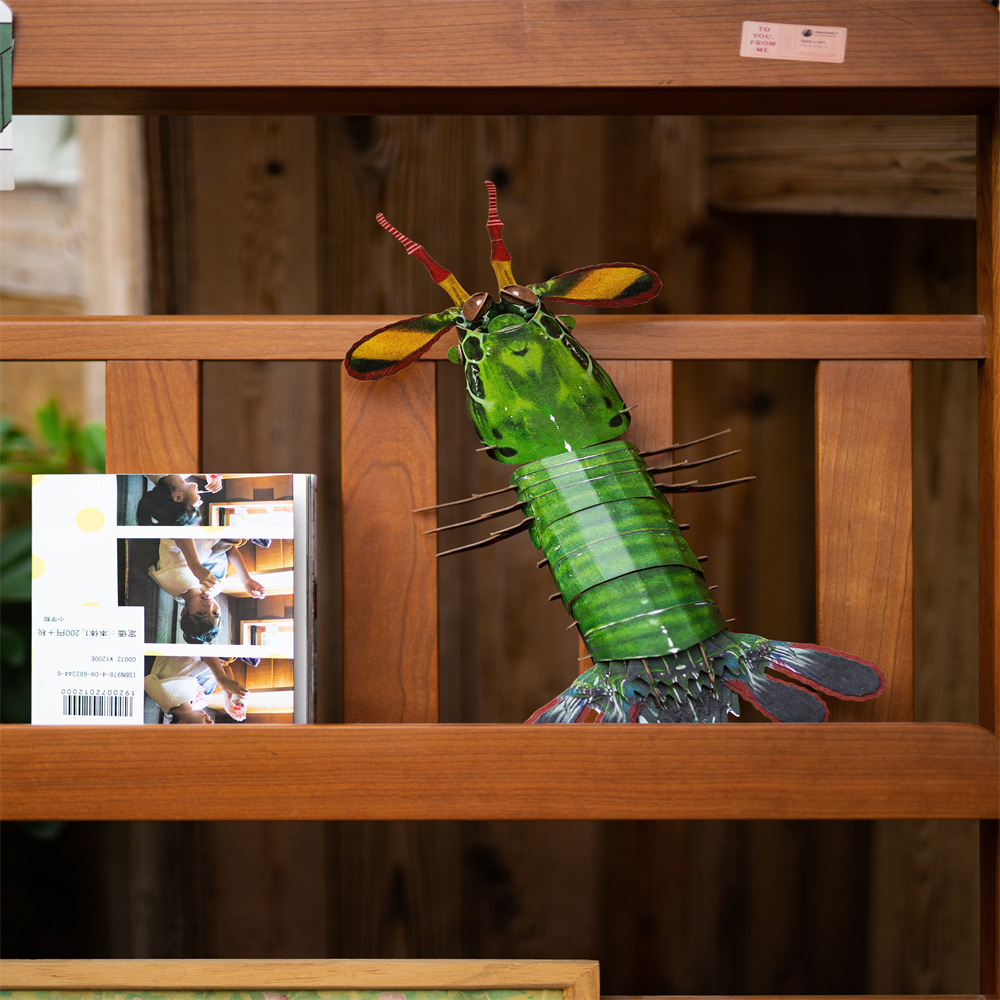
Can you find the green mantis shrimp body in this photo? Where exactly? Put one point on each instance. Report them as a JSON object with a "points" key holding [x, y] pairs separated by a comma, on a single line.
{"points": [[622, 565], [661, 649]]}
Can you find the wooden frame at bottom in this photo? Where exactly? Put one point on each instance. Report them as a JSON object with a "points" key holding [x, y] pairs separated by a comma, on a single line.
{"points": [[319, 979]]}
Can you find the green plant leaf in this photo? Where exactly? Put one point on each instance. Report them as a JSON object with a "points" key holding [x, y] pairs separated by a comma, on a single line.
{"points": [[91, 441], [13, 440], [16, 705], [15, 564], [54, 429], [10, 488], [14, 546], [33, 465], [15, 646]]}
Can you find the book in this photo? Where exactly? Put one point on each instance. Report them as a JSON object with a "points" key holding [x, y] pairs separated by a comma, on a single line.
{"points": [[172, 598]]}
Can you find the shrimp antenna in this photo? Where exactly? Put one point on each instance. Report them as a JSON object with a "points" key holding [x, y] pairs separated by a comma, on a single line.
{"points": [[499, 255], [440, 275]]}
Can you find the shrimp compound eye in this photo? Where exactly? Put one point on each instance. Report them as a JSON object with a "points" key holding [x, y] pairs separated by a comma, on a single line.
{"points": [[519, 295], [476, 306]]}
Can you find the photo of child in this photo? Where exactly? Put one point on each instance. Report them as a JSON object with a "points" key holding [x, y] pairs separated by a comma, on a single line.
{"points": [[192, 570], [180, 687], [254, 504], [198, 591], [174, 499], [207, 690]]}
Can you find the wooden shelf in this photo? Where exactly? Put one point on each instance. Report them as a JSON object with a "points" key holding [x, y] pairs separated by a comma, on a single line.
{"points": [[578, 979], [605, 57], [328, 974], [323, 974], [292, 338], [509, 772]]}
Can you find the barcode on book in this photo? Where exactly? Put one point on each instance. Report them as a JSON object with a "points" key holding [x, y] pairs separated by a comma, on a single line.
{"points": [[80, 703]]}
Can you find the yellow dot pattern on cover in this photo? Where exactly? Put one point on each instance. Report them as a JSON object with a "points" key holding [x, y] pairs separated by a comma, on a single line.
{"points": [[37, 567], [90, 519]]}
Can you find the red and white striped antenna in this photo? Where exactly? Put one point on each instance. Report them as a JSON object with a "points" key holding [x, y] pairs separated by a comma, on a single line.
{"points": [[440, 275]]}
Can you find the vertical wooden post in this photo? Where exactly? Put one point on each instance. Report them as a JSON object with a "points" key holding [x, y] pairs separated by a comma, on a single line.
{"points": [[864, 496], [114, 209], [650, 385], [987, 276], [153, 414], [389, 461], [988, 294]]}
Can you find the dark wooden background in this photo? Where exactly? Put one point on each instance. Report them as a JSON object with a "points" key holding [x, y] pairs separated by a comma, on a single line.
{"points": [[276, 215]]}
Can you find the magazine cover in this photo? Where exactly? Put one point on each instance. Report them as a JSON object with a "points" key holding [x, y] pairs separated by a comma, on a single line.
{"points": [[172, 598]]}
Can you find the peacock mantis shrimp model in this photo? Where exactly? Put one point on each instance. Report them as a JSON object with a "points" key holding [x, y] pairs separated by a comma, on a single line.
{"points": [[659, 644]]}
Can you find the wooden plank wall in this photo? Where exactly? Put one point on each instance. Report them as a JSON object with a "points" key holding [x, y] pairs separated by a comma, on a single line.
{"points": [[276, 215]]}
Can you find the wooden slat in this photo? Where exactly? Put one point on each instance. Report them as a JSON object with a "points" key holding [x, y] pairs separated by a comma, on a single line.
{"points": [[113, 215], [864, 497], [649, 388], [390, 577], [846, 165], [988, 295], [878, 770], [42, 245], [606, 56], [636, 337], [153, 415], [580, 979]]}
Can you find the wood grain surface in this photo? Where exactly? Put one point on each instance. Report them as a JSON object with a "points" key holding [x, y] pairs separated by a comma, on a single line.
{"points": [[889, 165], [578, 980], [153, 415], [836, 770], [988, 295], [390, 574], [865, 523], [607, 337], [680, 58]]}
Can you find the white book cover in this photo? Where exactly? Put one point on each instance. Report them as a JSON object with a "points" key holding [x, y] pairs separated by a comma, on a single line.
{"points": [[172, 598]]}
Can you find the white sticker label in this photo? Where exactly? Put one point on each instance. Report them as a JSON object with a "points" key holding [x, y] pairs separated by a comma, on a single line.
{"points": [[811, 42]]}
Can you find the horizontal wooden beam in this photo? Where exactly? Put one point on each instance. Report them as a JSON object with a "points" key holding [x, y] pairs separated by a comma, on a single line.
{"points": [[451, 56], [506, 772], [128, 975], [620, 337]]}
